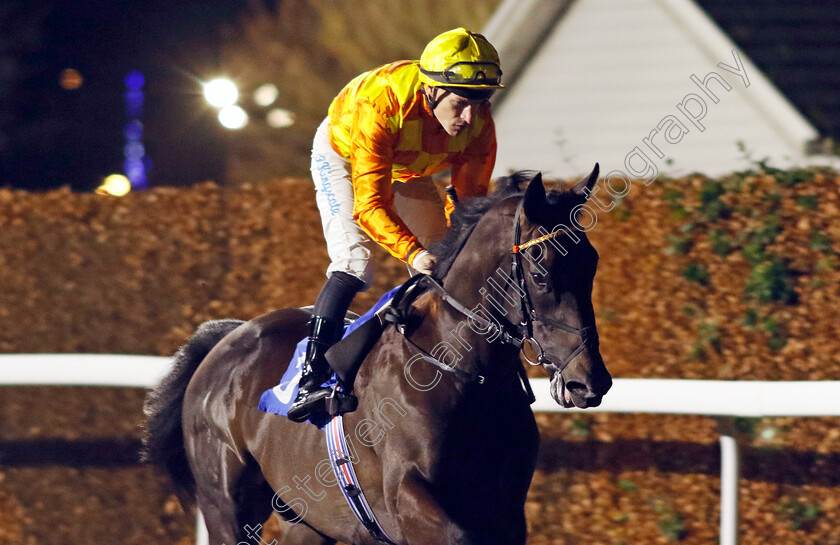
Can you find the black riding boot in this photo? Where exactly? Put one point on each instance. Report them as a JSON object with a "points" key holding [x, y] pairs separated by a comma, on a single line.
{"points": [[325, 329], [323, 333]]}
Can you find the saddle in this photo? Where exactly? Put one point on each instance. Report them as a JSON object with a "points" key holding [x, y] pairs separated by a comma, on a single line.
{"points": [[349, 316], [346, 356]]}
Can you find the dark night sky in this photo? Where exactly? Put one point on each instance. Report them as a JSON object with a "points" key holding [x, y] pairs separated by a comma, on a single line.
{"points": [[56, 137]]}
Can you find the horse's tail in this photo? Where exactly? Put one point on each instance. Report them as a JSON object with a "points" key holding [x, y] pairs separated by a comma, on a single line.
{"points": [[163, 443]]}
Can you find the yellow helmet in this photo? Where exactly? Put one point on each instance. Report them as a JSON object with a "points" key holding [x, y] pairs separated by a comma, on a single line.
{"points": [[459, 58]]}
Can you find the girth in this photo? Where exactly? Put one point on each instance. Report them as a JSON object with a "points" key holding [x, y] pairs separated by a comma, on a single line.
{"points": [[342, 464]]}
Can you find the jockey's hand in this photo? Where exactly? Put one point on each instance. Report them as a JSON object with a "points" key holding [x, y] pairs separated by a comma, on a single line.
{"points": [[424, 262]]}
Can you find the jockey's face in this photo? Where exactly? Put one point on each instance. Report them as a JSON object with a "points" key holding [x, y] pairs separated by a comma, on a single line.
{"points": [[455, 113]]}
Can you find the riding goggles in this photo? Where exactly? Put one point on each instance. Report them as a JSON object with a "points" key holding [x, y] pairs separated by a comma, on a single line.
{"points": [[468, 73]]}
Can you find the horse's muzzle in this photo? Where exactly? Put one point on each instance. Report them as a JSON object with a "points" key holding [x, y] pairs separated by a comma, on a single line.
{"points": [[577, 394]]}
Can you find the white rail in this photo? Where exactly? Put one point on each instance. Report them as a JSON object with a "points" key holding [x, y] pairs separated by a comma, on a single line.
{"points": [[720, 398], [82, 370], [746, 398], [659, 396]]}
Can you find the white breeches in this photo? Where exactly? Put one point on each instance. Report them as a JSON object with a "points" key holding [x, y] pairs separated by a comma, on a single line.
{"points": [[417, 203]]}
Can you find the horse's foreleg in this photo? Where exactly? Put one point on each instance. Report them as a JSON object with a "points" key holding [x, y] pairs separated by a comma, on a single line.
{"points": [[422, 520]]}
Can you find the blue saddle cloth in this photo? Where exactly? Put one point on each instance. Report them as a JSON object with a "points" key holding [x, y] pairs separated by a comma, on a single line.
{"points": [[277, 400]]}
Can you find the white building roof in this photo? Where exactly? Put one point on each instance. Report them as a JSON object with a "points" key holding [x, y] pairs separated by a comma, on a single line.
{"points": [[591, 80]]}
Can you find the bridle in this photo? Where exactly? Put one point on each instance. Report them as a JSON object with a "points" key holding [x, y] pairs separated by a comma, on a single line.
{"points": [[519, 335], [588, 335]]}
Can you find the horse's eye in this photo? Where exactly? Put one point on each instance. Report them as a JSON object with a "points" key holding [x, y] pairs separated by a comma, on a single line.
{"points": [[539, 279]]}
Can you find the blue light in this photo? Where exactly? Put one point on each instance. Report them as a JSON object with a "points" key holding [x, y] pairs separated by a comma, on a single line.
{"points": [[140, 181], [133, 130], [132, 165], [135, 171], [134, 80], [134, 103], [134, 150], [136, 163]]}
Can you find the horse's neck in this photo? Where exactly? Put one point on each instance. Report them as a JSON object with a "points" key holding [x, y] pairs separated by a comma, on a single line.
{"points": [[449, 336]]}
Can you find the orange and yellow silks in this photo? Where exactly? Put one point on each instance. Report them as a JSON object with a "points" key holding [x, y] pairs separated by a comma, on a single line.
{"points": [[382, 125]]}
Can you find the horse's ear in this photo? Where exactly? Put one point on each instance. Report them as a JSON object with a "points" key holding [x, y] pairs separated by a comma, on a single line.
{"points": [[535, 204], [587, 182]]}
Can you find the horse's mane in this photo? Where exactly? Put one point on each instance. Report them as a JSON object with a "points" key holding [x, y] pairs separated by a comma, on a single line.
{"points": [[466, 216]]}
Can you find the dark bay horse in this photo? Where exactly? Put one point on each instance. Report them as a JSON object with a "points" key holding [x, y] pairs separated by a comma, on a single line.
{"points": [[443, 457]]}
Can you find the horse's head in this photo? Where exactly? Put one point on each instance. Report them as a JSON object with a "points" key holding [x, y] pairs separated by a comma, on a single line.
{"points": [[558, 267], [535, 267]]}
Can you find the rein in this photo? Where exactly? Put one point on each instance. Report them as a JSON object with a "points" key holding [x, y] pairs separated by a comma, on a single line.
{"points": [[397, 314]]}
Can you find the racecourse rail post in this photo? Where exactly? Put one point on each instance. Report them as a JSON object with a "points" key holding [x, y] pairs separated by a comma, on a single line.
{"points": [[730, 472]]}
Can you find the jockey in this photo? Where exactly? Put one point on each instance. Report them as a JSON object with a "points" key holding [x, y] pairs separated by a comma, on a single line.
{"points": [[387, 132]]}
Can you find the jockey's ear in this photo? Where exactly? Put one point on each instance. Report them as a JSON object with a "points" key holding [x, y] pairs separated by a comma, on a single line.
{"points": [[536, 206], [587, 182]]}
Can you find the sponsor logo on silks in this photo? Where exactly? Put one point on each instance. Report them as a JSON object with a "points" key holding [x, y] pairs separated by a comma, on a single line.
{"points": [[326, 185]]}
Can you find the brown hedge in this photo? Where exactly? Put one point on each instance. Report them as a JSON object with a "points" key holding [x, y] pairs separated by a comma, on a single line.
{"points": [[92, 273]]}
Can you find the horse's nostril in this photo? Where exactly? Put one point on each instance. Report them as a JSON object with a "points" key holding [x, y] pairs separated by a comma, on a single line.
{"points": [[583, 391], [577, 387]]}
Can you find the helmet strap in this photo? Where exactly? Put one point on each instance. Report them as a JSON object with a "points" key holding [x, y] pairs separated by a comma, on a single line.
{"points": [[432, 100]]}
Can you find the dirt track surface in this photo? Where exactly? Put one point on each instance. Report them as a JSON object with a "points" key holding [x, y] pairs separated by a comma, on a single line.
{"points": [[683, 291]]}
